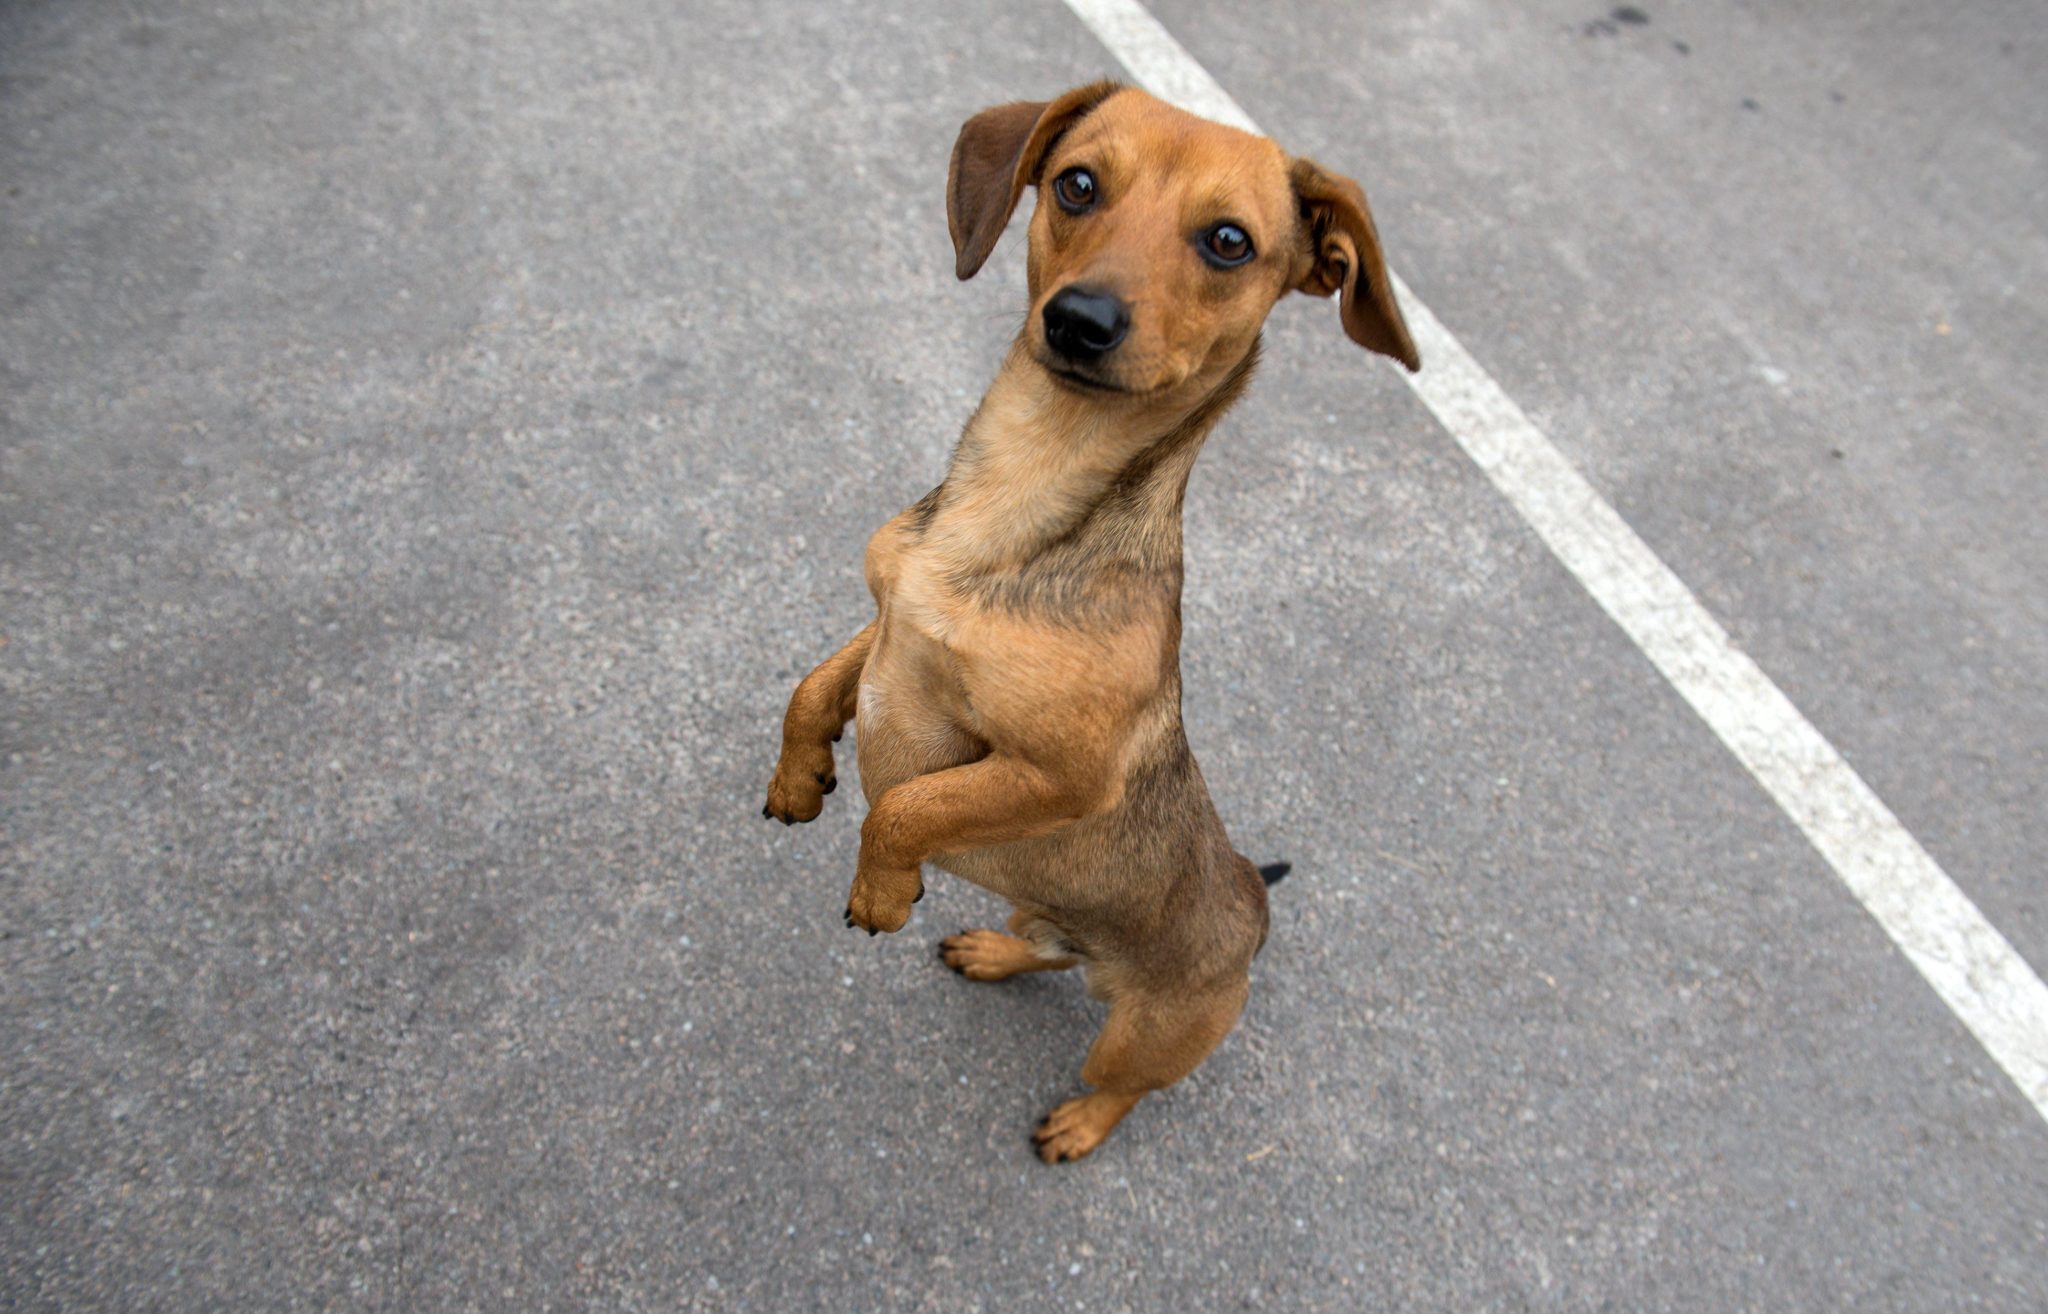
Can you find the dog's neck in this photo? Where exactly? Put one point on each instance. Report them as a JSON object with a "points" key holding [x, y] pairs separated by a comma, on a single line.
{"points": [[1043, 467]]}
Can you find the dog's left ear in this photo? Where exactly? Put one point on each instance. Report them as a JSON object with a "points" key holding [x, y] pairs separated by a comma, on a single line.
{"points": [[997, 156], [1342, 250]]}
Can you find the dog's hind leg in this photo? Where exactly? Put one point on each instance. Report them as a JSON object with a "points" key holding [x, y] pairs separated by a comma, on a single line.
{"points": [[984, 955], [818, 713], [1150, 1040]]}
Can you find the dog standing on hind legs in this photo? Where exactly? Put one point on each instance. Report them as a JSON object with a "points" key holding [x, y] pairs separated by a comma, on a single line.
{"points": [[1017, 696]]}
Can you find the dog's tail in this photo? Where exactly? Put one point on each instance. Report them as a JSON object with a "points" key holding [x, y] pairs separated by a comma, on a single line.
{"points": [[1273, 871]]}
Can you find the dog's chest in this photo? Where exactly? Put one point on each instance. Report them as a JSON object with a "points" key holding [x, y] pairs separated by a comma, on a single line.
{"points": [[913, 713]]}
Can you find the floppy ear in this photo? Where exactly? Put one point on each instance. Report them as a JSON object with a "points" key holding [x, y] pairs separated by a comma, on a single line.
{"points": [[1344, 251], [997, 156]]}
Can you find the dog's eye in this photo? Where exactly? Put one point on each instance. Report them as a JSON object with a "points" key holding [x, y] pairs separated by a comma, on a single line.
{"points": [[1075, 190], [1226, 245]]}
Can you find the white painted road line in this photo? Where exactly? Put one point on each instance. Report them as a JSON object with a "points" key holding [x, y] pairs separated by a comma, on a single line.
{"points": [[1971, 966]]}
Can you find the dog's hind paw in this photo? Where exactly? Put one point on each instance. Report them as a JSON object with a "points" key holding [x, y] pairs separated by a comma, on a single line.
{"points": [[1078, 1126], [984, 955]]}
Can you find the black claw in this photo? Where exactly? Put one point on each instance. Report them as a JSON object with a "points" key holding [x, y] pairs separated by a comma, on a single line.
{"points": [[830, 785], [871, 933], [765, 812], [836, 735], [786, 820], [920, 895]]}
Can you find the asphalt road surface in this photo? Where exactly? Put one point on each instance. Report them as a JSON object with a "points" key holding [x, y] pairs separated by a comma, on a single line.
{"points": [[434, 437]]}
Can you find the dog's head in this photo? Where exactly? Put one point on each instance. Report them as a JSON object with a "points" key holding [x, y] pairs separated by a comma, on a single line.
{"points": [[1161, 240]]}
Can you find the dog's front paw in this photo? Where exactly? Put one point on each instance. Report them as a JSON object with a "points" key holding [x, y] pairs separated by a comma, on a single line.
{"points": [[881, 900], [797, 793]]}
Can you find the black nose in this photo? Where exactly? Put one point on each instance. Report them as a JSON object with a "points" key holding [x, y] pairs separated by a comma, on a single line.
{"points": [[1083, 325]]}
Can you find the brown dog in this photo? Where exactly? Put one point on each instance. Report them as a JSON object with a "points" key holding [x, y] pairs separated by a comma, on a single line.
{"points": [[1018, 693]]}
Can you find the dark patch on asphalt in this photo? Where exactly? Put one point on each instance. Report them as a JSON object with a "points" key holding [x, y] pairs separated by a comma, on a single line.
{"points": [[1617, 18]]}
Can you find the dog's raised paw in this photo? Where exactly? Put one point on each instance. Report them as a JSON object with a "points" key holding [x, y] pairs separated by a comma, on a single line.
{"points": [[795, 796], [880, 901]]}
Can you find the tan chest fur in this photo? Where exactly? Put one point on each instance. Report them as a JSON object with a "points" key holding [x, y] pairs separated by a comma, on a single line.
{"points": [[913, 715]]}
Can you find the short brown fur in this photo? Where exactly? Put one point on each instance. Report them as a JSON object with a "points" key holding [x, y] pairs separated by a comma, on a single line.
{"points": [[1017, 696]]}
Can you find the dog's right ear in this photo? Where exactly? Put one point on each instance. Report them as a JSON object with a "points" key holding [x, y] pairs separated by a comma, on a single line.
{"points": [[997, 156]]}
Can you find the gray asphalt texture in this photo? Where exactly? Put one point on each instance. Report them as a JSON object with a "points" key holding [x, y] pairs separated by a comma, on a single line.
{"points": [[433, 438]]}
